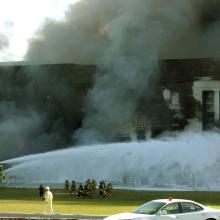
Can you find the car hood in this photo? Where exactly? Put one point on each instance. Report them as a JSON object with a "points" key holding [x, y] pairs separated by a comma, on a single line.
{"points": [[126, 216]]}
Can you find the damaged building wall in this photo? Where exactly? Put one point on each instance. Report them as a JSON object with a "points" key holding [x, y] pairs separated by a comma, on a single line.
{"points": [[59, 92], [206, 92], [193, 79], [41, 106], [187, 92]]}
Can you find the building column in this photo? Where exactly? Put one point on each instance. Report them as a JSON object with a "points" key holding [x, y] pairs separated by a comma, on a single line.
{"points": [[216, 105]]}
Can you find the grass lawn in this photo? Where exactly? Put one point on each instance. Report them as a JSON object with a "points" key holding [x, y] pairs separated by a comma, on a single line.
{"points": [[27, 200]]}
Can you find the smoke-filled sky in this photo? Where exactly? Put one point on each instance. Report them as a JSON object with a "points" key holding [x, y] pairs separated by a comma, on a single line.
{"points": [[19, 20], [81, 32]]}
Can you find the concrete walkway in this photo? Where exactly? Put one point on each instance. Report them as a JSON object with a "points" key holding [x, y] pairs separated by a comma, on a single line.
{"points": [[33, 216]]}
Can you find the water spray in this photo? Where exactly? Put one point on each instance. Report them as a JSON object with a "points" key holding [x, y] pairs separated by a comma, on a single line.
{"points": [[188, 161]]}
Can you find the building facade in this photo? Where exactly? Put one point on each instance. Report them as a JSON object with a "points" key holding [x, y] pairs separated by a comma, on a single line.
{"points": [[188, 92], [191, 91]]}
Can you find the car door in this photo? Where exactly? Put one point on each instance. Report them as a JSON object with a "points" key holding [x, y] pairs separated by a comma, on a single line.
{"points": [[190, 211]]}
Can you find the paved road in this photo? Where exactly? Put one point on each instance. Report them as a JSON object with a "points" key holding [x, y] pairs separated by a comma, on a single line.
{"points": [[33, 216]]}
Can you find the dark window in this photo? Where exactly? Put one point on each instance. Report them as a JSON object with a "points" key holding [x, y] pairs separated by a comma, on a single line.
{"points": [[208, 110], [141, 134], [190, 207], [172, 208]]}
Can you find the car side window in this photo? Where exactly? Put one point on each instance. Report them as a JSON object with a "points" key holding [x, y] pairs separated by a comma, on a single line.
{"points": [[172, 208], [190, 207]]}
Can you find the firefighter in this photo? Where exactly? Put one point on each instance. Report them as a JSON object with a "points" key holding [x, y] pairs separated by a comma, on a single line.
{"points": [[90, 188], [2, 177], [109, 189], [41, 190], [104, 185], [67, 185], [80, 190], [102, 192], [48, 199], [93, 190], [73, 187], [86, 190]]}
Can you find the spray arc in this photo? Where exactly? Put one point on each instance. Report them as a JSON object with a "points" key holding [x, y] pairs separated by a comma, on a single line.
{"points": [[188, 161]]}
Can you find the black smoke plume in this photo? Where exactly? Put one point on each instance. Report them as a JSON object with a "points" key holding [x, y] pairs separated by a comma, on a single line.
{"points": [[126, 39]]}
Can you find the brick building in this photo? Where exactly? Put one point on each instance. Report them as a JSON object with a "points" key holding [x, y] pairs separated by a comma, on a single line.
{"points": [[189, 90]]}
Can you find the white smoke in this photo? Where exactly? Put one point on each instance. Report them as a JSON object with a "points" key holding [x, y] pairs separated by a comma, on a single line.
{"points": [[4, 44], [3, 41]]}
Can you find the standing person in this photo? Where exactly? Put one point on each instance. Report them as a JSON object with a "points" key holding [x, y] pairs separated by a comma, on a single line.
{"points": [[73, 187], [102, 189], [93, 187], [48, 198], [67, 185], [80, 190], [41, 190], [109, 189]]}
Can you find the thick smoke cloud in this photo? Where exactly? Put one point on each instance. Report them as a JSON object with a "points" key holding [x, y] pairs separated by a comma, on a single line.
{"points": [[126, 38], [91, 26], [22, 131], [4, 45], [39, 109], [3, 41], [16, 125]]}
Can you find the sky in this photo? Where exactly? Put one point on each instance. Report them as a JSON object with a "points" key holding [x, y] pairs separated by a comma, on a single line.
{"points": [[19, 20]]}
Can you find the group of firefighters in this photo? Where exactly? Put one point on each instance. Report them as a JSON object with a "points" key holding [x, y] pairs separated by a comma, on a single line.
{"points": [[88, 189]]}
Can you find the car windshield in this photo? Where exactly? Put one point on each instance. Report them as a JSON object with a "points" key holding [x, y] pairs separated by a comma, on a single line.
{"points": [[149, 208]]}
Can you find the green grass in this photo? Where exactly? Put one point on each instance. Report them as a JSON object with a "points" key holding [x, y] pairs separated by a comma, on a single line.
{"points": [[27, 200]]}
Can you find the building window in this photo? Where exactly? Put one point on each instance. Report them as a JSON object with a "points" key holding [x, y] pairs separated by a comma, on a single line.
{"points": [[174, 100], [208, 110], [141, 125]]}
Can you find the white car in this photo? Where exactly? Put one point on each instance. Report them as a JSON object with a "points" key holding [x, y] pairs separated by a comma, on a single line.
{"points": [[166, 209]]}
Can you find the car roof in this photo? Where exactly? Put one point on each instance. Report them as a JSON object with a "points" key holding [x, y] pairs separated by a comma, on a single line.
{"points": [[174, 200]]}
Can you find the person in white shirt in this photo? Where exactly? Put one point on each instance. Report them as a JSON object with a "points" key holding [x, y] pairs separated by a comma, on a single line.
{"points": [[48, 201]]}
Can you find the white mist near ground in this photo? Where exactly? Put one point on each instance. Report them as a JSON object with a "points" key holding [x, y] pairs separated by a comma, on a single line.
{"points": [[190, 159]]}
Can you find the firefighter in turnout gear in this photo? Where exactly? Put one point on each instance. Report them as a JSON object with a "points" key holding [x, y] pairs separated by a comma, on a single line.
{"points": [[86, 190], [109, 189], [48, 198], [80, 190], [93, 191], [89, 188], [102, 189], [2, 177], [67, 185], [73, 187], [41, 190]]}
